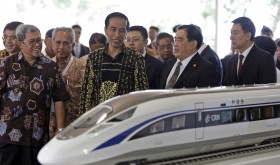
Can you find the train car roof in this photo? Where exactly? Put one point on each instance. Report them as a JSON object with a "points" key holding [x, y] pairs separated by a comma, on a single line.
{"points": [[123, 102]]}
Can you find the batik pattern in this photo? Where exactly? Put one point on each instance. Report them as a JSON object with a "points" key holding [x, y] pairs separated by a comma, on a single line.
{"points": [[132, 77], [26, 92], [73, 79]]}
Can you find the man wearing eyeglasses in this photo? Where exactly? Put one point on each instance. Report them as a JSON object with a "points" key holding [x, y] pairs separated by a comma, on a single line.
{"points": [[28, 82], [10, 40], [137, 39], [165, 44], [72, 71]]}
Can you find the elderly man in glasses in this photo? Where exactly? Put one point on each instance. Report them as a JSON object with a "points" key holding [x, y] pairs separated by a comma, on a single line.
{"points": [[28, 82], [10, 40]]}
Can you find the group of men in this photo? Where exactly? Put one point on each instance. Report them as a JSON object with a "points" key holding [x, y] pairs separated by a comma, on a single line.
{"points": [[31, 83]]}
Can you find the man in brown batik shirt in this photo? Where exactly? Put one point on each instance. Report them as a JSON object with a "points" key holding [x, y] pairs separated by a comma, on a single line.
{"points": [[71, 69]]}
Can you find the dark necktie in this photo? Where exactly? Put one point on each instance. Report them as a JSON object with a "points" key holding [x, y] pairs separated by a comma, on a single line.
{"points": [[174, 77], [240, 63]]}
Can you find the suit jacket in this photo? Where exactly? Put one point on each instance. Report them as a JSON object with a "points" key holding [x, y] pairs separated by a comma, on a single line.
{"points": [[198, 73], [153, 70], [258, 68], [84, 50], [212, 57], [224, 62]]}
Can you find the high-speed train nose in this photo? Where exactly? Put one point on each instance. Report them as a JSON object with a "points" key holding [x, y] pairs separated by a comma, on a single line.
{"points": [[44, 156]]}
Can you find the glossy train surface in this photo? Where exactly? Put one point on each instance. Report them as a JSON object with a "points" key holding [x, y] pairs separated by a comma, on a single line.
{"points": [[154, 124]]}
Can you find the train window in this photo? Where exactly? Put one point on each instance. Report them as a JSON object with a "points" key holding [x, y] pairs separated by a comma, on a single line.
{"points": [[178, 122], [157, 127], [93, 117], [124, 115], [226, 116], [268, 112], [255, 113], [276, 110], [240, 115]]}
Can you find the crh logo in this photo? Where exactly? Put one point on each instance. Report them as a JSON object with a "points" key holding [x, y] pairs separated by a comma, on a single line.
{"points": [[214, 117]]}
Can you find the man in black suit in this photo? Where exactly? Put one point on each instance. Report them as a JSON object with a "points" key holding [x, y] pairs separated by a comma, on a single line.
{"points": [[79, 49], [210, 55], [256, 65], [194, 70], [137, 39]]}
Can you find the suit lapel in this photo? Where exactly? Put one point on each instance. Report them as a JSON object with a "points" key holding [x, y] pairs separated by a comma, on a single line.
{"points": [[147, 62], [248, 62], [192, 65], [167, 71], [233, 66]]}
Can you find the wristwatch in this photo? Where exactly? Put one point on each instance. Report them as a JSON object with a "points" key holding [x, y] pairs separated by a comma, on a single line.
{"points": [[59, 129]]}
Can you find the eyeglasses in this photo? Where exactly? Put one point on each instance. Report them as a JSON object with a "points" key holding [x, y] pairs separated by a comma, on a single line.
{"points": [[168, 47], [134, 40], [33, 42], [11, 38]]}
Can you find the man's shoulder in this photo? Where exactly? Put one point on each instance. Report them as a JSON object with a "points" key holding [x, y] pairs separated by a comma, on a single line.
{"points": [[153, 59], [259, 53], [209, 52], [132, 53], [95, 53]]}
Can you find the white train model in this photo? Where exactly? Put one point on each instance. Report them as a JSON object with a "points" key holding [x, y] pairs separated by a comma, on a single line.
{"points": [[153, 124]]}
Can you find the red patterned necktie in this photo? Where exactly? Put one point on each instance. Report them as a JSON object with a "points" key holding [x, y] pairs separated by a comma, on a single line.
{"points": [[240, 63]]}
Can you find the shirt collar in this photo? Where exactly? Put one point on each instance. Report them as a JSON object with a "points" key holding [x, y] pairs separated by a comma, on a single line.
{"points": [[66, 61], [106, 49], [144, 53], [186, 61], [39, 59], [202, 47], [246, 52]]}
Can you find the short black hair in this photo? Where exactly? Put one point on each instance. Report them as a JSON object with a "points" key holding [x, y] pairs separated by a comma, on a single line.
{"points": [[76, 26], [163, 35], [266, 30], [193, 34], [118, 15], [247, 25], [12, 26], [266, 43], [98, 37], [174, 29], [49, 33], [155, 28], [277, 42], [140, 29]]}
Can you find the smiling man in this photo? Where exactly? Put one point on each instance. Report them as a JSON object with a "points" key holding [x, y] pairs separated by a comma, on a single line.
{"points": [[115, 69], [28, 82], [10, 39]]}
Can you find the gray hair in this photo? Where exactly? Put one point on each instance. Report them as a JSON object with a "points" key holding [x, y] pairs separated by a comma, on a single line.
{"points": [[23, 29], [65, 29]]}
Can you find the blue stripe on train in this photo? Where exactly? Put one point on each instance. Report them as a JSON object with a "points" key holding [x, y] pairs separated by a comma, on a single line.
{"points": [[119, 138]]}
